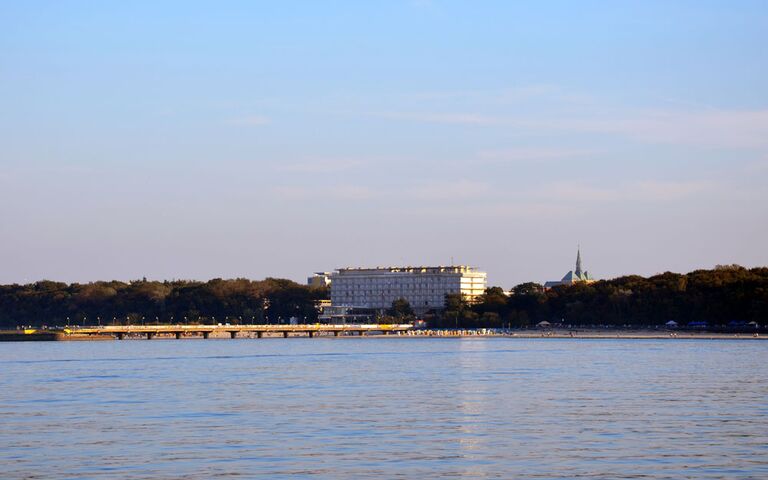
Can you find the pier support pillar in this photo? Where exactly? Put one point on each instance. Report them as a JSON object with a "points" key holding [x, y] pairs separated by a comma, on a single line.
{"points": [[150, 335], [259, 334], [232, 335], [178, 335], [285, 334], [336, 333], [206, 334], [311, 334], [120, 336]]}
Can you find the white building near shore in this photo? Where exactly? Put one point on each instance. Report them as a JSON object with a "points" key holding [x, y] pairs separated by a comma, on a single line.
{"points": [[423, 287], [319, 279]]}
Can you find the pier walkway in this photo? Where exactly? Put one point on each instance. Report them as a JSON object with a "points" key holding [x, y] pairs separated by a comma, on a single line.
{"points": [[205, 331]]}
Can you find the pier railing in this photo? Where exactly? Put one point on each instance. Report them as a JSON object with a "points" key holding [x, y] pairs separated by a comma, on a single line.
{"points": [[259, 331]]}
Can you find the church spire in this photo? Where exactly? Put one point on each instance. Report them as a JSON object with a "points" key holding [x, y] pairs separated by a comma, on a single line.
{"points": [[578, 262]]}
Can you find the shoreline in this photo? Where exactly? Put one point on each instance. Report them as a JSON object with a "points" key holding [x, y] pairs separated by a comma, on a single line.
{"points": [[577, 335], [586, 334], [606, 336]]}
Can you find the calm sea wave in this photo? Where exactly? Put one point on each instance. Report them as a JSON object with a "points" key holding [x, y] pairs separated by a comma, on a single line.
{"points": [[384, 408]]}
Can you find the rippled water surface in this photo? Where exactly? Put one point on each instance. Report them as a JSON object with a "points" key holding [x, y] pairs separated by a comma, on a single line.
{"points": [[385, 408]]}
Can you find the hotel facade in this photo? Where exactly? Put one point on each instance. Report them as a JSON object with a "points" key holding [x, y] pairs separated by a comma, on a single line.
{"points": [[423, 287]]}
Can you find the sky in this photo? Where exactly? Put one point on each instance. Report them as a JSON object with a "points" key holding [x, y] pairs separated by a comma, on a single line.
{"points": [[195, 140]]}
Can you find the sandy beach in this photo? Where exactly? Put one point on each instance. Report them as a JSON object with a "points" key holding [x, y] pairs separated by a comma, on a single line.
{"points": [[599, 334]]}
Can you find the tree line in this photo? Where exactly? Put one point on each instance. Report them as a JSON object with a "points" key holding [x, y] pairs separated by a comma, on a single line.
{"points": [[725, 295], [124, 303], [718, 297]]}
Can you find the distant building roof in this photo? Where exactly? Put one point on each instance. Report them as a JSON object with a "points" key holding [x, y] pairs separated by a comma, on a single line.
{"points": [[573, 276]]}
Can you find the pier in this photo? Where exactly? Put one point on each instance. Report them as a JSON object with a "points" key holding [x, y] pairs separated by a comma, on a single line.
{"points": [[233, 331]]}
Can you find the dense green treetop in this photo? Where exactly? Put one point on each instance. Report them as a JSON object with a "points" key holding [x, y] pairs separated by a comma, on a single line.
{"points": [[721, 296], [215, 301], [400, 309]]}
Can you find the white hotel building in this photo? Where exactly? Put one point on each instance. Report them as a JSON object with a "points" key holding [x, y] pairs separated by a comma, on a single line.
{"points": [[423, 287]]}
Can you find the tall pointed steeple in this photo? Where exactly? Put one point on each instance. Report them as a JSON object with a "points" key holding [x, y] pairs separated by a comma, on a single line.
{"points": [[578, 271]]}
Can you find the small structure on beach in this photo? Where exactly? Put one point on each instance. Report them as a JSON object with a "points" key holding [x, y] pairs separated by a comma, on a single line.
{"points": [[671, 324], [698, 325], [544, 324]]}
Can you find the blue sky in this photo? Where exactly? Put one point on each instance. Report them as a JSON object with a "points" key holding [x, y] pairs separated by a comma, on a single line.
{"points": [[222, 139]]}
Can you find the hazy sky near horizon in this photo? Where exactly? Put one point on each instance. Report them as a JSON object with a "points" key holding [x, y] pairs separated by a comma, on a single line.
{"points": [[190, 139]]}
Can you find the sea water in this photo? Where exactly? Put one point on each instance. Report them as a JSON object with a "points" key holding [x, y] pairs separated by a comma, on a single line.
{"points": [[392, 407]]}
